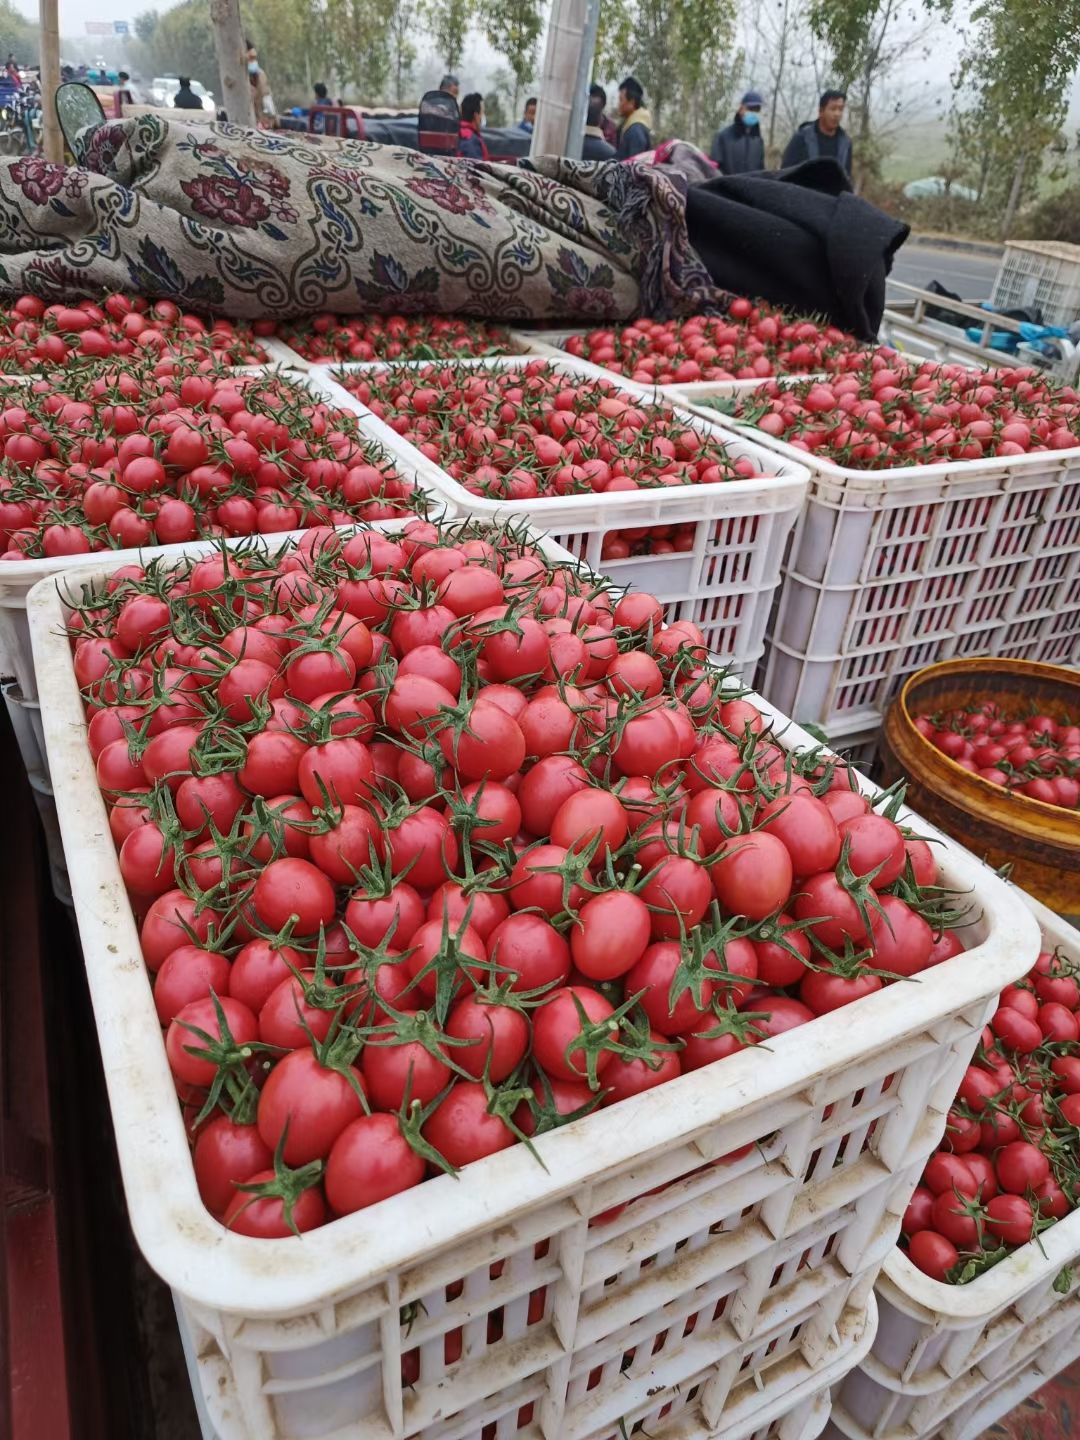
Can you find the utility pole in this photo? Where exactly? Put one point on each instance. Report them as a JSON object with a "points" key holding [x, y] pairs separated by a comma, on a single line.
{"points": [[564, 84], [52, 137], [231, 52]]}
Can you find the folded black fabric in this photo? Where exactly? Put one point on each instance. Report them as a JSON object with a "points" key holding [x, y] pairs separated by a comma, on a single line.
{"points": [[798, 238]]}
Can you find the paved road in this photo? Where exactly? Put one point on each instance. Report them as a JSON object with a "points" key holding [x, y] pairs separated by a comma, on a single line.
{"points": [[970, 276]]}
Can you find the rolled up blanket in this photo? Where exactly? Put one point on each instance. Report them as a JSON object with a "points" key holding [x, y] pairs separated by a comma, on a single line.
{"points": [[263, 223]]}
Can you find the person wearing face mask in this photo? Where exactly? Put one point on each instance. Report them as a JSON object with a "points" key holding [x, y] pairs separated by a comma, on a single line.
{"points": [[739, 147], [261, 98]]}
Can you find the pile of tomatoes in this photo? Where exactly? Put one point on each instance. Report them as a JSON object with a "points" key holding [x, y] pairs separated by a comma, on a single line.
{"points": [[1035, 755], [36, 336], [1009, 1166], [529, 432], [436, 845], [887, 413], [169, 452], [395, 337], [750, 342]]}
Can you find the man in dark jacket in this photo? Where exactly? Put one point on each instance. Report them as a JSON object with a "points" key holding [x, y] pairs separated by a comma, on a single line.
{"points": [[823, 138], [595, 146], [739, 148], [635, 137]]}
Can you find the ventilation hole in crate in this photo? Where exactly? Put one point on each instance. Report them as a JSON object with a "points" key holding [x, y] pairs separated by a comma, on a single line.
{"points": [[491, 1306], [576, 542], [879, 630], [863, 667], [1055, 652], [1021, 633], [883, 600], [1042, 598], [1050, 567], [905, 522], [998, 579]]}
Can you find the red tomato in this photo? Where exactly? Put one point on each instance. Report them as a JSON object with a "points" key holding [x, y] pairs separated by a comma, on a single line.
{"points": [[463, 1129], [307, 1104], [933, 1254], [294, 890], [752, 875], [1020, 1167], [369, 1161], [570, 1030], [918, 1215], [1010, 1219], [269, 1217], [195, 1038], [610, 934], [807, 829], [226, 1153]]}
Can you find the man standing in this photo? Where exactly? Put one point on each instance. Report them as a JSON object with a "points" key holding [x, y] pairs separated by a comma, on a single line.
{"points": [[739, 147], [471, 144], [129, 93], [321, 102], [594, 146], [450, 85], [822, 137], [635, 137], [528, 120], [607, 125]]}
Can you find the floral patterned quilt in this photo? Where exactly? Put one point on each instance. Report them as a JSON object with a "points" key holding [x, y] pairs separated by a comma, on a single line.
{"points": [[253, 223]]}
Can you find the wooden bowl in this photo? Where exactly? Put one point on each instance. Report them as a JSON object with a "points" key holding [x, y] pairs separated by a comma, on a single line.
{"points": [[1040, 842]]}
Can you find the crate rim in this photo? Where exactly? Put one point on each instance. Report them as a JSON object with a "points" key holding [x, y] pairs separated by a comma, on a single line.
{"points": [[211, 1266], [782, 489], [1048, 249], [875, 482]]}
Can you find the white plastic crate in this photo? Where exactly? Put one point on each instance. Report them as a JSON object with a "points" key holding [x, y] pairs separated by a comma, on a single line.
{"points": [[804, 1419], [1040, 273], [742, 1282], [951, 1359], [18, 577], [890, 570], [726, 583], [865, 1408]]}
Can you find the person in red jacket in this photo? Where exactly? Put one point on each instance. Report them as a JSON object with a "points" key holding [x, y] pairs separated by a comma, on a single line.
{"points": [[472, 144]]}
